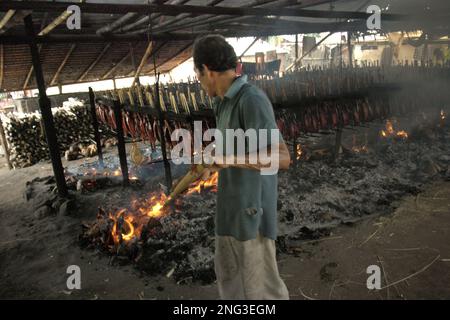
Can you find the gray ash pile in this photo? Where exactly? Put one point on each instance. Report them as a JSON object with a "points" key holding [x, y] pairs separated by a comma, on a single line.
{"points": [[315, 195]]}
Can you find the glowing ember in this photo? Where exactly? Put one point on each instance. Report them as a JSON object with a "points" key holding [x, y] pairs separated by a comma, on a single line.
{"points": [[391, 132], [361, 149], [299, 152], [198, 186], [128, 223], [442, 118], [357, 148]]}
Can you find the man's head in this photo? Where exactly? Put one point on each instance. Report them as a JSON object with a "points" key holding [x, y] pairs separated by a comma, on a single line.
{"points": [[214, 62]]}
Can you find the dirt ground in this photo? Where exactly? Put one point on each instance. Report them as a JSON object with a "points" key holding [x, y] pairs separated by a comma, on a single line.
{"points": [[411, 247]]}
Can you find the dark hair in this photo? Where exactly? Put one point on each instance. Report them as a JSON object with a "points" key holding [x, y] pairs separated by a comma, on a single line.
{"points": [[214, 52]]}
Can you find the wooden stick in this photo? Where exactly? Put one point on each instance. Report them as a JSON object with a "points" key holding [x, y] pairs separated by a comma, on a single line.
{"points": [[414, 274]]}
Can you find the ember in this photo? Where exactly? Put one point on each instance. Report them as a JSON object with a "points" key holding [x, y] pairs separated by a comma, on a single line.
{"points": [[391, 132], [359, 148], [127, 224], [299, 152]]}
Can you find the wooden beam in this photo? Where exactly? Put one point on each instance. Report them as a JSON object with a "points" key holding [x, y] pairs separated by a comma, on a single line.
{"points": [[147, 53], [52, 25], [60, 19], [46, 112], [30, 72], [125, 57], [116, 24], [93, 64], [9, 14], [118, 116], [1, 65], [45, 6], [95, 127], [189, 23], [63, 63], [174, 55]]}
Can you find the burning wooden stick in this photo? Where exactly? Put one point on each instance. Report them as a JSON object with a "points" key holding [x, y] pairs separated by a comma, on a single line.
{"points": [[193, 175]]}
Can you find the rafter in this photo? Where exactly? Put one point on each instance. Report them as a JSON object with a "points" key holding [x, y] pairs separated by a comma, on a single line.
{"points": [[94, 63], [63, 63]]}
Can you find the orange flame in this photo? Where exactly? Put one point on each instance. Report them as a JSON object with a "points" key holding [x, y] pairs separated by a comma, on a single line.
{"points": [[299, 151], [141, 211], [390, 131], [198, 186]]}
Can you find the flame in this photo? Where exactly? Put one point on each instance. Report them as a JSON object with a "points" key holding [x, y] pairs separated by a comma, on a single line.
{"points": [[443, 115], [299, 151], [390, 131], [358, 148], [198, 186], [135, 218], [153, 207], [127, 225]]}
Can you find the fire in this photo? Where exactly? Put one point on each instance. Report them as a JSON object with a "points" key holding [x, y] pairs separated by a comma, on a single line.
{"points": [[154, 206], [357, 148], [391, 132], [131, 221], [197, 187], [361, 149], [442, 118], [299, 151], [126, 226]]}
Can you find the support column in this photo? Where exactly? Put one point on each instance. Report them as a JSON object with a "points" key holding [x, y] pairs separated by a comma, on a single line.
{"points": [[4, 142], [163, 141], [95, 125], [121, 142], [46, 112]]}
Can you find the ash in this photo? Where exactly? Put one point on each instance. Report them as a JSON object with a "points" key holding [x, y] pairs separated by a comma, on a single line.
{"points": [[314, 197]]}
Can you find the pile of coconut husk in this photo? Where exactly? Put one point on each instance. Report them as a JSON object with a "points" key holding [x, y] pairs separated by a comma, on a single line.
{"points": [[26, 135]]}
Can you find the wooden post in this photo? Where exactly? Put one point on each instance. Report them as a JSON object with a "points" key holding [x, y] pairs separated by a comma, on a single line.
{"points": [[350, 53], [337, 146], [121, 142], [4, 142], [163, 141], [46, 111], [95, 125], [296, 52]]}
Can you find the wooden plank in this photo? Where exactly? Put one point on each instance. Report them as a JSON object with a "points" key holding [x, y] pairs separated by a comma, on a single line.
{"points": [[1, 64], [147, 53], [9, 14], [60, 19], [173, 10]]}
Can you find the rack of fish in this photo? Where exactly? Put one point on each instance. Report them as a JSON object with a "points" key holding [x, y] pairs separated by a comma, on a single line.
{"points": [[305, 102]]}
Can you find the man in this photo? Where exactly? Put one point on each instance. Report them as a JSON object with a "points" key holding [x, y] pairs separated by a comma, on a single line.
{"points": [[246, 218]]}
